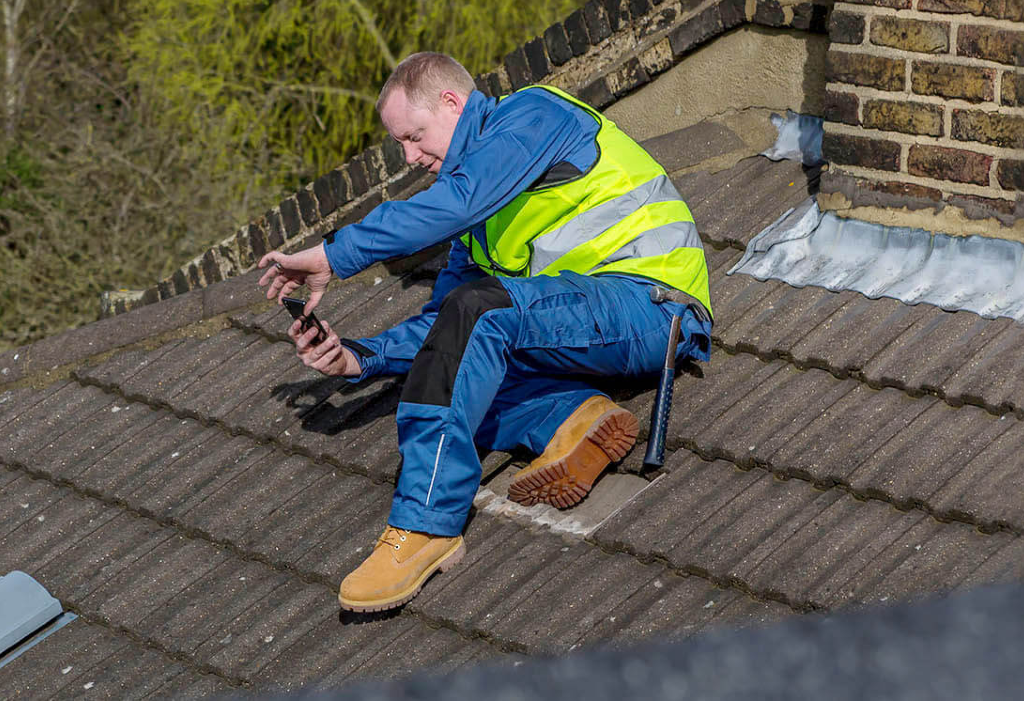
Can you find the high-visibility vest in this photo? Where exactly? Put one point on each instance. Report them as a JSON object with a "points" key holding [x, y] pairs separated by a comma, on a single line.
{"points": [[622, 216]]}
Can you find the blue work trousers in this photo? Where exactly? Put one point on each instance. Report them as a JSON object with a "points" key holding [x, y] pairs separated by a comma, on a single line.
{"points": [[505, 363]]}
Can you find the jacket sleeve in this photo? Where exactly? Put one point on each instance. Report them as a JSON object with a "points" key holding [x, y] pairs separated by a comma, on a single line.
{"points": [[391, 352], [519, 146]]}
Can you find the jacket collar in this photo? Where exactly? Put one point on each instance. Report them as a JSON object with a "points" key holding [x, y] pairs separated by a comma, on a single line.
{"points": [[470, 125]]}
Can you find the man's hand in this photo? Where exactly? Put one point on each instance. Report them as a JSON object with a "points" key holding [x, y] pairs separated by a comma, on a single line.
{"points": [[329, 357], [289, 272]]}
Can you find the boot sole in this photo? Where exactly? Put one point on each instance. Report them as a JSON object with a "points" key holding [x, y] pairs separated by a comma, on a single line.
{"points": [[444, 563], [567, 481]]}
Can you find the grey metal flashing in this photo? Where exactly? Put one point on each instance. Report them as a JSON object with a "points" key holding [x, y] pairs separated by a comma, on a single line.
{"points": [[27, 615], [805, 247]]}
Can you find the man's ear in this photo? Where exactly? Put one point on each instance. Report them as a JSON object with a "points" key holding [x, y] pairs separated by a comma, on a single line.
{"points": [[453, 101]]}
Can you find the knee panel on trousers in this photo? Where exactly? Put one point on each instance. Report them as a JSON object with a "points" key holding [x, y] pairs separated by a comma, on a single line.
{"points": [[432, 374]]}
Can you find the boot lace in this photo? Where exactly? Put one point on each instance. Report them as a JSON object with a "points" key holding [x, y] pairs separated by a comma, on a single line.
{"points": [[393, 537]]}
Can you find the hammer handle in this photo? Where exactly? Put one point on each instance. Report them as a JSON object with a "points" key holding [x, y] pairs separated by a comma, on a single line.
{"points": [[663, 401]]}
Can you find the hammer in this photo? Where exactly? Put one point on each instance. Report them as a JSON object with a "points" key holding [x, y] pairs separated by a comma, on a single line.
{"points": [[663, 399]]}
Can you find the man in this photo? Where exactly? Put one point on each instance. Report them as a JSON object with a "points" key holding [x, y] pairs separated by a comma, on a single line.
{"points": [[559, 225]]}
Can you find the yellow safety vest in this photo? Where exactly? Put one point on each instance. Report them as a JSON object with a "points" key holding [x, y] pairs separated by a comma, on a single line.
{"points": [[622, 216]]}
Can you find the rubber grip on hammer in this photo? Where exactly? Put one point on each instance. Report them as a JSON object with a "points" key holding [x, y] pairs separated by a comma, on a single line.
{"points": [[659, 426]]}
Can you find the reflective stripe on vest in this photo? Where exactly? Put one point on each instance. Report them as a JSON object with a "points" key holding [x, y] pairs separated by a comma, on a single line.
{"points": [[622, 216]]}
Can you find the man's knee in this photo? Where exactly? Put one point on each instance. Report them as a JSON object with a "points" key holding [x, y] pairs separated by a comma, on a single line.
{"points": [[432, 375]]}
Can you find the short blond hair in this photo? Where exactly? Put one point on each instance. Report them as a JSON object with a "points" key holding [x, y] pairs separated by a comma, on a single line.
{"points": [[424, 76]]}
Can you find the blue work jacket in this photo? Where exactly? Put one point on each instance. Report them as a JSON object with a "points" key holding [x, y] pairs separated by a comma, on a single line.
{"points": [[497, 151]]}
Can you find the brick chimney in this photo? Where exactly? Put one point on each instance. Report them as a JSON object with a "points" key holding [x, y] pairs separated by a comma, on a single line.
{"points": [[925, 115]]}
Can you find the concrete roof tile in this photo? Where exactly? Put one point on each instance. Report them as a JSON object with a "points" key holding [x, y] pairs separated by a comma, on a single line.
{"points": [[435, 650], [146, 456], [98, 556], [849, 431], [64, 663], [270, 627], [24, 499], [197, 614], [211, 462], [241, 504], [58, 414], [939, 444], [576, 598], [931, 557], [929, 352], [66, 518], [992, 375]]}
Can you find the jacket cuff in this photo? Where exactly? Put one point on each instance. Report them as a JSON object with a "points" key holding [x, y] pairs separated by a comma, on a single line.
{"points": [[370, 363]]}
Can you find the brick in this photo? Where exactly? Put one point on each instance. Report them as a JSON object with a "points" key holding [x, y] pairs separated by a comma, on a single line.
{"points": [[307, 207], [257, 239], [897, 4], [325, 193], [875, 193], [910, 34], [180, 282], [373, 162], [1012, 90], [357, 177], [999, 9], [946, 80], [518, 70], [769, 13], [657, 58], [1010, 174], [617, 13], [695, 31], [494, 83], [558, 44], [275, 230], [975, 207], [942, 163], [394, 155], [989, 128], [166, 288], [656, 23], [861, 151], [733, 13], [596, 94], [846, 28], [211, 271], [576, 31], [639, 8], [811, 17], [906, 117], [536, 59], [194, 278], [628, 77], [991, 43], [290, 217], [841, 107], [862, 69], [596, 18]]}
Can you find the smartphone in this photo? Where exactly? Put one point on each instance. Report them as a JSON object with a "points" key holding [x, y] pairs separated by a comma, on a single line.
{"points": [[295, 308]]}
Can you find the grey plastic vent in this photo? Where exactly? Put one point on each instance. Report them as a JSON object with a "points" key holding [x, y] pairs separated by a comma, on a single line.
{"points": [[27, 614]]}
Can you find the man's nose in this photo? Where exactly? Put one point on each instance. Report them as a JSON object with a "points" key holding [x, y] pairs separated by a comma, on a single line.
{"points": [[411, 153]]}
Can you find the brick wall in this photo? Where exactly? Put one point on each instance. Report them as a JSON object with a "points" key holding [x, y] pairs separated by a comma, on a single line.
{"points": [[925, 109]]}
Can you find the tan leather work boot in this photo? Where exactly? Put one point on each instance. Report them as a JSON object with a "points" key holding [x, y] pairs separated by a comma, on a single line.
{"points": [[597, 433], [397, 568]]}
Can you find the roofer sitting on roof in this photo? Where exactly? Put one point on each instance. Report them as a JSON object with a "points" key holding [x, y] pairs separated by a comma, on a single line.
{"points": [[559, 223]]}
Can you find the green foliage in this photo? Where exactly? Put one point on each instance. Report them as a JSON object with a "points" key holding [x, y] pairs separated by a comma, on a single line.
{"points": [[285, 90], [150, 129]]}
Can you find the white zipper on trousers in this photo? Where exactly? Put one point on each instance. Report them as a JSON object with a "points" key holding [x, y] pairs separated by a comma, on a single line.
{"points": [[437, 461]]}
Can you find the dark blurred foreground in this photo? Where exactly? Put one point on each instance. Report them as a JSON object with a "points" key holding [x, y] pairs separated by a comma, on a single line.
{"points": [[966, 646]]}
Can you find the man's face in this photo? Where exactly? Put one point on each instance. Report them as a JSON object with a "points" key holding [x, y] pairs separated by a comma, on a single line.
{"points": [[424, 133]]}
